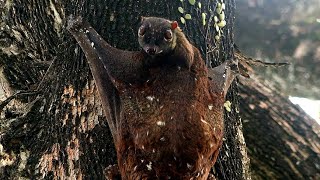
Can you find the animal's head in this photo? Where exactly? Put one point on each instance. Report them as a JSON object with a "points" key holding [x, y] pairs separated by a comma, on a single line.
{"points": [[157, 36]]}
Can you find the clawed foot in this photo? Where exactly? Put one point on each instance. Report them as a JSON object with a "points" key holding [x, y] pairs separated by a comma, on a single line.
{"points": [[234, 65], [74, 23], [112, 172], [211, 177]]}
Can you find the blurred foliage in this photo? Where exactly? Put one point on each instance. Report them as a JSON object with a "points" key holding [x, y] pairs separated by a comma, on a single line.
{"points": [[286, 30]]}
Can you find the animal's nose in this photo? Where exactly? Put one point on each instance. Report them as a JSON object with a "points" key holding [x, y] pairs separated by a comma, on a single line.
{"points": [[151, 51]]}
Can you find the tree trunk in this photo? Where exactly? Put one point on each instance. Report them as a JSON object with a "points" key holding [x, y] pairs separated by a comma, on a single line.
{"points": [[55, 128], [283, 142]]}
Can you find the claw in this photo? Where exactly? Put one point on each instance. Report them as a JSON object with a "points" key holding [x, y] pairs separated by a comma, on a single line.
{"points": [[73, 23]]}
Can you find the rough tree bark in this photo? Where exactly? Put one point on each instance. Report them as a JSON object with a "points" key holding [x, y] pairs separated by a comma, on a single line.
{"points": [[283, 142], [54, 128]]}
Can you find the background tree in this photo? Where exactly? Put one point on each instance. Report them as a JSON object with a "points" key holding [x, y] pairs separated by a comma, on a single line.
{"points": [[282, 141], [286, 30]]}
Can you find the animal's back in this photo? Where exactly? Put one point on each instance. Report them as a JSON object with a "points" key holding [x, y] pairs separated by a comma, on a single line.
{"points": [[170, 127]]}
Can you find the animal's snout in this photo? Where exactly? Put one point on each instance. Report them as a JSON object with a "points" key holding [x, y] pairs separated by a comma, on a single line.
{"points": [[151, 51]]}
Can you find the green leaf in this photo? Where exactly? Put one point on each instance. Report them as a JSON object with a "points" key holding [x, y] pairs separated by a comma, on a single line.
{"points": [[180, 9], [183, 21], [216, 27], [219, 5], [192, 2], [199, 5], [227, 106], [187, 16], [204, 17], [222, 24], [219, 10], [215, 18], [223, 6], [222, 16]]}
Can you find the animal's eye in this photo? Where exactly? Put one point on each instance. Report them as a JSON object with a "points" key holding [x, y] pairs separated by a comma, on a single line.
{"points": [[168, 35], [142, 31]]}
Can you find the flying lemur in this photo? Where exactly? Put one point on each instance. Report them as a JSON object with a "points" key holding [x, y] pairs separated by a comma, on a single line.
{"points": [[163, 105]]}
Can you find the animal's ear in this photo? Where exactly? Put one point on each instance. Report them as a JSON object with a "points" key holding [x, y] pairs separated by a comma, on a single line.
{"points": [[174, 25], [142, 18]]}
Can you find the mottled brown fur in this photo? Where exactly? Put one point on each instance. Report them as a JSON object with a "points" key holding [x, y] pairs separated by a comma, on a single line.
{"points": [[167, 118]]}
